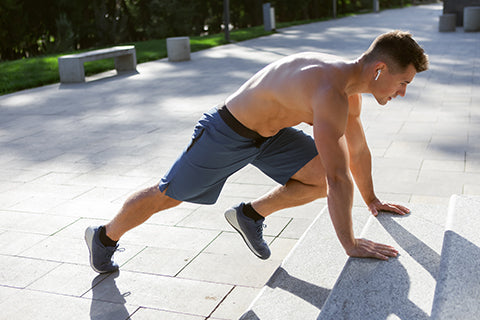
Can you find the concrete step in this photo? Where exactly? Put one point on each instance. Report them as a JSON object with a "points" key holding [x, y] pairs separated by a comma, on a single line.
{"points": [[457, 295], [402, 287], [317, 281], [301, 285]]}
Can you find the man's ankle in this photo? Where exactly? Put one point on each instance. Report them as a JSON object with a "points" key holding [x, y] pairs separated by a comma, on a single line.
{"points": [[250, 212], [104, 239]]}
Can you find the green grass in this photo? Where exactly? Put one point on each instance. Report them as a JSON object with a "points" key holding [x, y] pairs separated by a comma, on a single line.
{"points": [[38, 71]]}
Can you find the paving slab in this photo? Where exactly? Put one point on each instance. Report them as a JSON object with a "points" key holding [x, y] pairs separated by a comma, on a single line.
{"points": [[14, 242], [164, 261], [68, 279], [27, 304], [32, 222], [235, 303], [19, 272], [160, 292]]}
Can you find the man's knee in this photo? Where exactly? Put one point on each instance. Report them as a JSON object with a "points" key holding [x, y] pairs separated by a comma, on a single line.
{"points": [[162, 201], [313, 174], [319, 188]]}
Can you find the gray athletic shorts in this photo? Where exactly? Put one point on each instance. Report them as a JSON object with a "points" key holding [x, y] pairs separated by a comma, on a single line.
{"points": [[221, 146]]}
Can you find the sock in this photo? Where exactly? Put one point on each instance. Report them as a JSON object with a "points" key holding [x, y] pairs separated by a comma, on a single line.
{"points": [[104, 239], [250, 212]]}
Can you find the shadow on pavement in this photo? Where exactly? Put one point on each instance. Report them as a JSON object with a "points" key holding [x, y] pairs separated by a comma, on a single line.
{"points": [[102, 307]]}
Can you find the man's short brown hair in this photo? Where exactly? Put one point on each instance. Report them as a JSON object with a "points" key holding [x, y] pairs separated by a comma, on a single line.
{"points": [[398, 50]]}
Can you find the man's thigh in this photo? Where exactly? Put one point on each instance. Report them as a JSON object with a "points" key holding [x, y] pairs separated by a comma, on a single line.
{"points": [[313, 173], [282, 156]]}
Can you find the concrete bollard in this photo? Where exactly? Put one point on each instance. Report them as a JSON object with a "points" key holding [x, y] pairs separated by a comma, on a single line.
{"points": [[471, 19], [178, 49], [447, 22], [268, 17], [376, 6]]}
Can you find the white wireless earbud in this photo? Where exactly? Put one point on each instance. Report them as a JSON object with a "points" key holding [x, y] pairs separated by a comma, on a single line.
{"points": [[378, 74]]}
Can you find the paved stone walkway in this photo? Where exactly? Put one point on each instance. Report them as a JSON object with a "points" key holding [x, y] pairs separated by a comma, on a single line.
{"points": [[71, 154]]}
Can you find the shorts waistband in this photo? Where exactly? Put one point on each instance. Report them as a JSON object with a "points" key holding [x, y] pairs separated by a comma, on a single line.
{"points": [[239, 128]]}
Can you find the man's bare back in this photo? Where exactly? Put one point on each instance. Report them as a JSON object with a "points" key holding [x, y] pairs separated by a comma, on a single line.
{"points": [[283, 93]]}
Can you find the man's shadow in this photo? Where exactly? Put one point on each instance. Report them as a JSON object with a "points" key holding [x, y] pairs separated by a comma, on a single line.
{"points": [[104, 291], [307, 291]]}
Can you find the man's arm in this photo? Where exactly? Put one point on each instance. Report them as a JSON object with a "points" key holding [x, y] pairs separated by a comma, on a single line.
{"points": [[330, 121], [361, 160], [359, 154]]}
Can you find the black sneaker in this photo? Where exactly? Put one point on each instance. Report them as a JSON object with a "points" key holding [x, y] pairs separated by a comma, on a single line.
{"points": [[250, 230], [100, 256]]}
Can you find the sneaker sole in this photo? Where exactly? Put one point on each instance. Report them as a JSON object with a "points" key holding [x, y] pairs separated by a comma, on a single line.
{"points": [[231, 216], [89, 234]]}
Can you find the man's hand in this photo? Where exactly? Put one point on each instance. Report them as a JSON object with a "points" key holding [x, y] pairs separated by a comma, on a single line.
{"points": [[376, 205], [368, 249]]}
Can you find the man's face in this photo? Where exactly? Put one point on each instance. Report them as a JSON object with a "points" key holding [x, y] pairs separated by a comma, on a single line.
{"points": [[389, 86]]}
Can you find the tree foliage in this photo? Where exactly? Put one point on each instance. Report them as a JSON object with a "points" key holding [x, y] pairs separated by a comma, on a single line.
{"points": [[33, 27]]}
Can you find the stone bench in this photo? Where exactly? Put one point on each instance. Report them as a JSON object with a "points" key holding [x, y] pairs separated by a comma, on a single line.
{"points": [[71, 68]]}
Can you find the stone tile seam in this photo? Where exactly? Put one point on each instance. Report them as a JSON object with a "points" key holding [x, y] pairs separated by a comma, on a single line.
{"points": [[219, 303], [166, 310], [59, 294], [63, 228], [121, 249], [184, 218], [281, 231], [198, 254], [39, 277]]}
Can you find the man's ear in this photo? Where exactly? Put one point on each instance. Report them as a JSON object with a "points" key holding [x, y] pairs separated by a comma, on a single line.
{"points": [[382, 66]]}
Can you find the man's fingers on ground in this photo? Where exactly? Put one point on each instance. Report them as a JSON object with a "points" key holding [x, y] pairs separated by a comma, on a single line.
{"points": [[398, 209], [379, 255], [386, 250], [402, 208]]}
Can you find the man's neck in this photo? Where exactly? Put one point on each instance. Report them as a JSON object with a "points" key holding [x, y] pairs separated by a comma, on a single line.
{"points": [[357, 81]]}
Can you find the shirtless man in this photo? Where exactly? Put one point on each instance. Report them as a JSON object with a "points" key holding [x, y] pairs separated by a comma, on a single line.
{"points": [[255, 126]]}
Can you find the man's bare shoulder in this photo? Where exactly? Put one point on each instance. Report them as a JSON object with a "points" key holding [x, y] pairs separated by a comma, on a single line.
{"points": [[320, 56], [304, 61]]}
